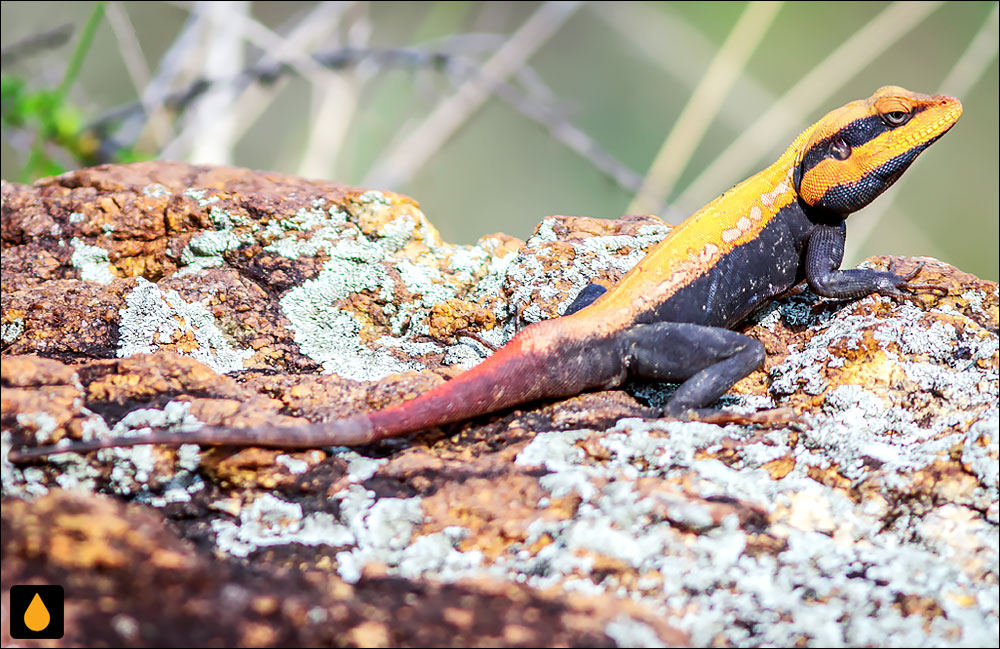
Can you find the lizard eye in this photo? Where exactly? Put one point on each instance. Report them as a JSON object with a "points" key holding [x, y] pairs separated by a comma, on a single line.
{"points": [[840, 149], [896, 118]]}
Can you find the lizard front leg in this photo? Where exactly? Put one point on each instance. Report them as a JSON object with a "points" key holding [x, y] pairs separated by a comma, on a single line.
{"points": [[825, 252], [708, 360]]}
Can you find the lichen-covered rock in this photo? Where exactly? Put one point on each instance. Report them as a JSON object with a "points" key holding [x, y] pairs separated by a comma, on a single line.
{"points": [[237, 269], [130, 580], [160, 293]]}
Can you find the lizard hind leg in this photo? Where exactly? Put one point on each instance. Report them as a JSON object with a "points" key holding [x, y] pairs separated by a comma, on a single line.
{"points": [[585, 298], [706, 360]]}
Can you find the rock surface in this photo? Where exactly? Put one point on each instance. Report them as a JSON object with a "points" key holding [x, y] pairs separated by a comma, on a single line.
{"points": [[162, 293]]}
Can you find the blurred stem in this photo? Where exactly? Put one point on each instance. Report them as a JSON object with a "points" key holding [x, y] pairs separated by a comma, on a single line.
{"points": [[72, 70], [703, 106]]}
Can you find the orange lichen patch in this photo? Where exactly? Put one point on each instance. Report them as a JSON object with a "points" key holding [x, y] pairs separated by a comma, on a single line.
{"points": [[454, 316], [496, 510], [495, 501], [726, 454], [562, 508], [603, 565], [754, 383], [34, 371], [595, 450], [143, 376], [780, 467], [459, 617], [830, 477], [369, 634], [169, 560], [377, 209], [42, 394], [79, 531], [925, 607], [257, 634], [964, 600], [258, 468], [83, 541], [53, 409], [944, 480], [870, 367], [541, 542]]}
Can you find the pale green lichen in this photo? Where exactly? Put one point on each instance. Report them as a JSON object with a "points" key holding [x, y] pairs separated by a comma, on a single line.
{"points": [[206, 250], [132, 466], [467, 261], [151, 318], [9, 331], [43, 423], [324, 227], [199, 195], [395, 234], [836, 583], [156, 190], [294, 466], [227, 220], [268, 520], [595, 256], [329, 334], [383, 529], [425, 281], [92, 262], [325, 333], [373, 196]]}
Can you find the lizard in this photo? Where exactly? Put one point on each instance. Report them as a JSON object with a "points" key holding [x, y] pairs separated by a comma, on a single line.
{"points": [[672, 317]]}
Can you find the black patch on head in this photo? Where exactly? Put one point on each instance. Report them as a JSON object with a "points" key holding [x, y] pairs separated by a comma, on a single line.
{"points": [[854, 134]]}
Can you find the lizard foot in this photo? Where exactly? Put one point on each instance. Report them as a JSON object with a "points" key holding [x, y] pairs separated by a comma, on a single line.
{"points": [[908, 291]]}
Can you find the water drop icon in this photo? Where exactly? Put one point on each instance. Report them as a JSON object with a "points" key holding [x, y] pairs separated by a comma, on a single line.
{"points": [[36, 617]]}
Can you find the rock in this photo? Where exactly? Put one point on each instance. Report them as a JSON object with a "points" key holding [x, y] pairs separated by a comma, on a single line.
{"points": [[134, 581], [162, 293]]}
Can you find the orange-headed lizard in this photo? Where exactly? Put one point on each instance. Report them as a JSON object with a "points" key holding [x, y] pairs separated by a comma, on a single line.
{"points": [[671, 317]]}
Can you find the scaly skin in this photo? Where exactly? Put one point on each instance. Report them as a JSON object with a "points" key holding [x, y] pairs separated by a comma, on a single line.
{"points": [[670, 317]]}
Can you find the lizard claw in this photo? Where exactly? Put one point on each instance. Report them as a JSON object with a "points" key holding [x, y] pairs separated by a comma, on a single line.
{"points": [[908, 291], [465, 333]]}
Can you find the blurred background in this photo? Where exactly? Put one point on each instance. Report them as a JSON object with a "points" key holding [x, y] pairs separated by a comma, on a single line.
{"points": [[496, 114]]}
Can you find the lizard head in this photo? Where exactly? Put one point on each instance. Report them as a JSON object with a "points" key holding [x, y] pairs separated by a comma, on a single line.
{"points": [[856, 152]]}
